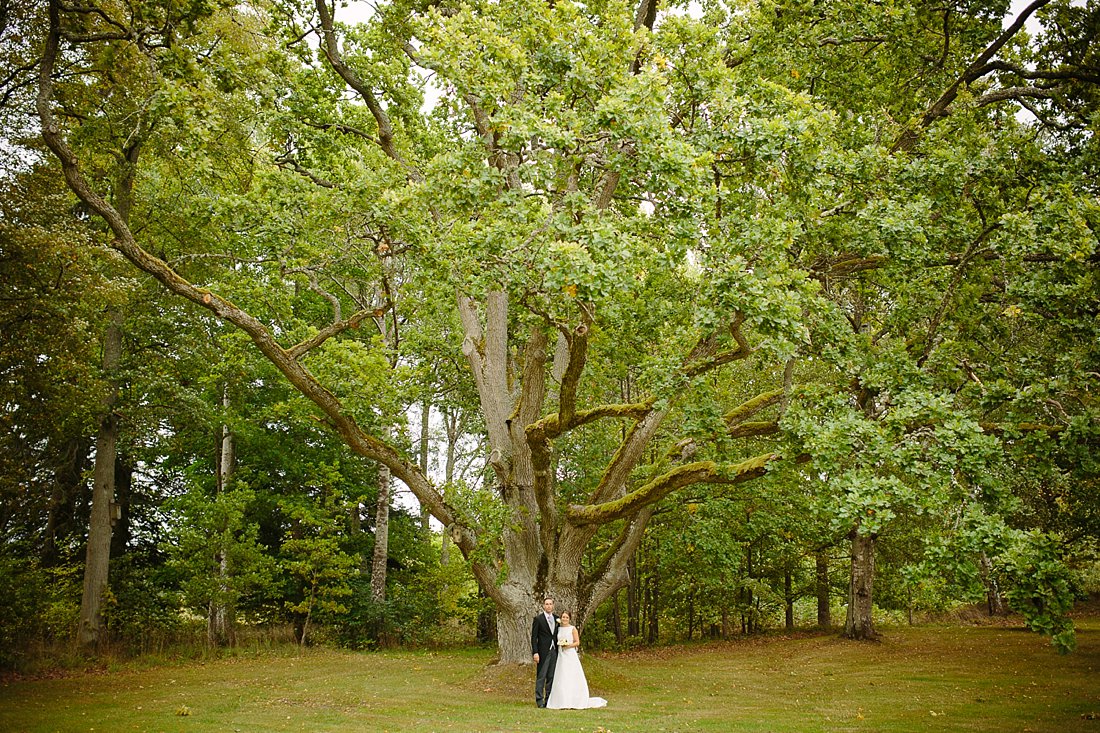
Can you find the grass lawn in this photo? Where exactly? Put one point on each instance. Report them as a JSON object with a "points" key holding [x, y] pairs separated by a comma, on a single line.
{"points": [[933, 678]]}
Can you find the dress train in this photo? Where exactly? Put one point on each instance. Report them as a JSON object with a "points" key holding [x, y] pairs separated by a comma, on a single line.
{"points": [[570, 688]]}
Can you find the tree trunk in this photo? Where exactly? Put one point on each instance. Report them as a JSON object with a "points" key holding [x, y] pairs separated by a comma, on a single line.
{"points": [[824, 609], [788, 598], [653, 603], [633, 607], [994, 599], [452, 425], [219, 619], [425, 435], [747, 626], [68, 485], [653, 635], [615, 622], [486, 621], [124, 489], [691, 615], [98, 555], [385, 486], [859, 623], [381, 537]]}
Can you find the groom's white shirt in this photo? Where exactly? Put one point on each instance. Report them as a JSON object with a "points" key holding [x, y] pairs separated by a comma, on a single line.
{"points": [[550, 623]]}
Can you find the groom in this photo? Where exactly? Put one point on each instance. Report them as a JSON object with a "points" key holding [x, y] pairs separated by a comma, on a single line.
{"points": [[544, 650]]}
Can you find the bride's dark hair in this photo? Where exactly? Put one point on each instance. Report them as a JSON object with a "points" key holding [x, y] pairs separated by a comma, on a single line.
{"points": [[566, 613]]}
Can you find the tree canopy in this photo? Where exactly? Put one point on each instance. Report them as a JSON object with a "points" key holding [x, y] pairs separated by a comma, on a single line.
{"points": [[844, 250]]}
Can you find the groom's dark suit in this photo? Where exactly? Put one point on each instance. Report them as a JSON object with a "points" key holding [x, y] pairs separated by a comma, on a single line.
{"points": [[544, 643]]}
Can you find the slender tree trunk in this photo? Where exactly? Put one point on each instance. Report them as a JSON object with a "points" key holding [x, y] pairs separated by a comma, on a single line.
{"points": [[124, 489], [381, 536], [385, 486], [452, 425], [616, 620], [824, 607], [68, 485], [859, 623], [994, 599], [653, 603], [445, 549], [98, 555], [355, 519], [425, 435], [219, 620], [747, 626], [788, 597], [633, 593], [691, 614], [486, 621]]}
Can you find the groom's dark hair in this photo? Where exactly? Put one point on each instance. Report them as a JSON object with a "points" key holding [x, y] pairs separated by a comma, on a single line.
{"points": [[548, 598]]}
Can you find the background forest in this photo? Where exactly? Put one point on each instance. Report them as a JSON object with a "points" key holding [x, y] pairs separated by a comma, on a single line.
{"points": [[373, 325]]}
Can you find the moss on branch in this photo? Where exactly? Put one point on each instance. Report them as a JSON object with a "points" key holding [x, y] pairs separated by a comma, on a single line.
{"points": [[552, 427], [750, 407], [660, 487]]}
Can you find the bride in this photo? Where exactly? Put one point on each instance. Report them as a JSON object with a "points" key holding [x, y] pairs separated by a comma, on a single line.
{"points": [[570, 688]]}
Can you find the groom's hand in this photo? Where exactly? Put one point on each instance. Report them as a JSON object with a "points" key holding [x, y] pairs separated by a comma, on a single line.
{"points": [[536, 658]]}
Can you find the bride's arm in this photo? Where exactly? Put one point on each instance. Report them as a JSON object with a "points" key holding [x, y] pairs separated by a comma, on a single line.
{"points": [[576, 638]]}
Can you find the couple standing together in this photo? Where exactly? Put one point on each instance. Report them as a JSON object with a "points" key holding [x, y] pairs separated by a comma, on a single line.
{"points": [[559, 679]]}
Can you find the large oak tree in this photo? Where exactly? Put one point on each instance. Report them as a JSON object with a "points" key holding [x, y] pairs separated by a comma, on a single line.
{"points": [[599, 196]]}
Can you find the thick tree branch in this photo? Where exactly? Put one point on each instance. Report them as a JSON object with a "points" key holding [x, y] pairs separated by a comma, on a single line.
{"points": [[645, 15], [617, 556], [735, 421], [490, 392], [532, 396], [289, 161], [1017, 93], [550, 427], [577, 342], [540, 434], [703, 357], [978, 68], [496, 342], [630, 451], [662, 486], [337, 327], [825, 268], [751, 407], [605, 193], [1061, 74], [331, 48]]}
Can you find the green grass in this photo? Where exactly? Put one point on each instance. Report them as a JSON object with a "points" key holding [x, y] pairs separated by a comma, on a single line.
{"points": [[934, 678]]}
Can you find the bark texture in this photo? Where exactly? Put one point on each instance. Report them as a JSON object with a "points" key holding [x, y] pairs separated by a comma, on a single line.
{"points": [[824, 609], [98, 554], [859, 623]]}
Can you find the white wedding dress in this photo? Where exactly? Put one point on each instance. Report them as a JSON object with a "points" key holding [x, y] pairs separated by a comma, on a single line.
{"points": [[570, 688]]}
